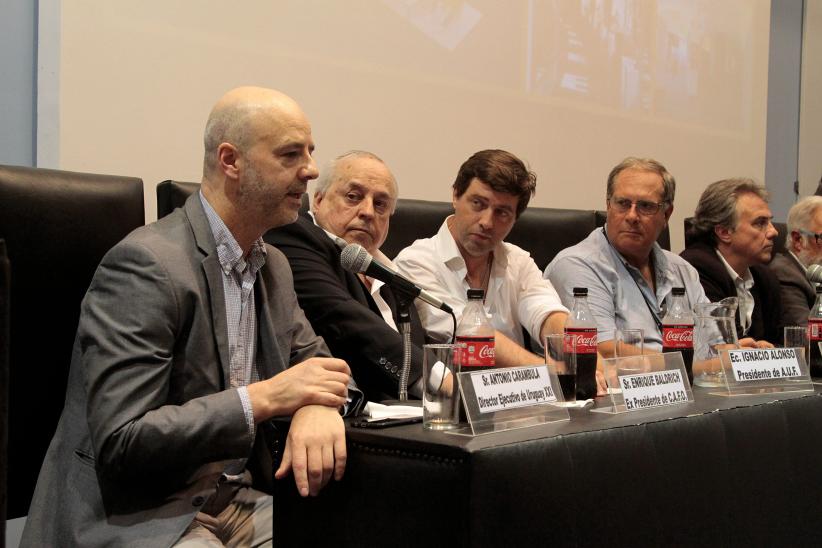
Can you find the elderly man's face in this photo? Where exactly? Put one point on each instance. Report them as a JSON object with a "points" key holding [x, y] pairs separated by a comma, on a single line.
{"points": [[805, 244], [277, 166], [633, 232], [358, 203], [753, 236]]}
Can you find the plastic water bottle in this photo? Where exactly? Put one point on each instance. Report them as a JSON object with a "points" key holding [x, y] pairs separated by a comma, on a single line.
{"points": [[815, 334], [581, 325], [476, 332], [678, 330]]}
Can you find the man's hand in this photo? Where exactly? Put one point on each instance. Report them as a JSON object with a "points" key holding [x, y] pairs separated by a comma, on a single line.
{"points": [[315, 449], [748, 342], [316, 381], [602, 386]]}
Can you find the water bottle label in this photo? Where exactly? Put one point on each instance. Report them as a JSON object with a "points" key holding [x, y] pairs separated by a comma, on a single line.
{"points": [[815, 330], [478, 351], [585, 339], [677, 336]]}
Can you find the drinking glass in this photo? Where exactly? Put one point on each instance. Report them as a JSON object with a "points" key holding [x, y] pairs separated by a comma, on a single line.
{"points": [[796, 336], [440, 396], [560, 353], [628, 342]]}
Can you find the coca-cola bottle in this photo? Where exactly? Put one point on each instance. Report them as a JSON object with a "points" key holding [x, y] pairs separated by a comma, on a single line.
{"points": [[582, 327], [678, 330], [477, 333], [815, 334]]}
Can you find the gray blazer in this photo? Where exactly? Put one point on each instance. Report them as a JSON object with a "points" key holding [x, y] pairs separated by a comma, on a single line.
{"points": [[148, 423], [798, 295]]}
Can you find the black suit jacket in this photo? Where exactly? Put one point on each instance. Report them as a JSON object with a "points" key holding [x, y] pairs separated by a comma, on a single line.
{"points": [[798, 295], [766, 318], [342, 311]]}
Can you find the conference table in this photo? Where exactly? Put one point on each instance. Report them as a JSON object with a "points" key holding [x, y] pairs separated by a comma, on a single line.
{"points": [[720, 471]]}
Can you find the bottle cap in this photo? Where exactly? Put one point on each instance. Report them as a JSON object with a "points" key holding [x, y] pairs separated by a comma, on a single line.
{"points": [[476, 294], [678, 291], [580, 292]]}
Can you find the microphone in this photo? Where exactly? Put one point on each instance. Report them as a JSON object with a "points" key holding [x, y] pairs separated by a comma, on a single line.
{"points": [[815, 273], [354, 258]]}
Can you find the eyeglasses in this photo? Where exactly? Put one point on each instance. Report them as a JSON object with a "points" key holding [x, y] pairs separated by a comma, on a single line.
{"points": [[816, 235], [643, 207]]}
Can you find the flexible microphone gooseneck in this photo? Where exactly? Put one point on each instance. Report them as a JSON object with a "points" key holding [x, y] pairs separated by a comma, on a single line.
{"points": [[355, 258]]}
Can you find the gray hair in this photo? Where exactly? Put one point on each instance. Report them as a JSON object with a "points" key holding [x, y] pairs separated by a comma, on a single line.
{"points": [[226, 125], [802, 212], [717, 206], [644, 164], [329, 172]]}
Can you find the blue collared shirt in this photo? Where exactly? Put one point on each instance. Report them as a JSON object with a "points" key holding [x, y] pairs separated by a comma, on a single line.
{"points": [[239, 275], [618, 295]]}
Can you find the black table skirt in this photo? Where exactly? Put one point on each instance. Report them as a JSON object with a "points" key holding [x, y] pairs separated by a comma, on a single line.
{"points": [[740, 471]]}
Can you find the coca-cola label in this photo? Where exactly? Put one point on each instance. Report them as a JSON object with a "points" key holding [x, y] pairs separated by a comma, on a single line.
{"points": [[678, 336], [478, 351], [585, 339], [815, 330]]}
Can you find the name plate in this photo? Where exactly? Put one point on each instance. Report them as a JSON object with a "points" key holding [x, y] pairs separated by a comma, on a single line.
{"points": [[751, 364], [511, 388], [644, 390]]}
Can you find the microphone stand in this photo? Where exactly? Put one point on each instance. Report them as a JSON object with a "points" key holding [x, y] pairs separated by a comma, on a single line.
{"points": [[404, 301]]}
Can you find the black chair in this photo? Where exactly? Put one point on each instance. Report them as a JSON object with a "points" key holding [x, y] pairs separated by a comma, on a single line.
{"points": [[57, 226], [778, 243], [542, 231], [412, 220], [4, 382], [173, 194]]}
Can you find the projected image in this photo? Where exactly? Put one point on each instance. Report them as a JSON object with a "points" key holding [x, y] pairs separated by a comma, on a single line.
{"points": [[658, 58], [445, 22]]}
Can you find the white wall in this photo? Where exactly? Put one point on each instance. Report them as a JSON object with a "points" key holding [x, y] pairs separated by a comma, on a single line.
{"points": [[17, 54], [425, 83], [785, 59], [810, 117]]}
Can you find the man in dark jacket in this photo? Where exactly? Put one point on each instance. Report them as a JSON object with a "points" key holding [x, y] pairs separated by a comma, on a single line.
{"points": [[733, 240], [803, 249], [355, 314]]}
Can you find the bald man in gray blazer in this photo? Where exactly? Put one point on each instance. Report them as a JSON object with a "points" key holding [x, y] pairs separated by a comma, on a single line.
{"points": [[190, 340]]}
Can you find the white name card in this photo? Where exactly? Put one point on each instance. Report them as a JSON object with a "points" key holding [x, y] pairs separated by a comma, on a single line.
{"points": [[645, 390], [752, 364], [511, 388]]}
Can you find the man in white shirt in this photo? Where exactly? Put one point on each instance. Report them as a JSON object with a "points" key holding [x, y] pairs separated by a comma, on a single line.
{"points": [[492, 188], [732, 243]]}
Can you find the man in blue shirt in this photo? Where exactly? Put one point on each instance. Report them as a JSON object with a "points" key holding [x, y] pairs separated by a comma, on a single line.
{"points": [[628, 275]]}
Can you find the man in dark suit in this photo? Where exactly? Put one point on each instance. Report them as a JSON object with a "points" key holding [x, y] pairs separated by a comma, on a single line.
{"points": [[803, 248], [355, 314], [733, 240], [190, 340]]}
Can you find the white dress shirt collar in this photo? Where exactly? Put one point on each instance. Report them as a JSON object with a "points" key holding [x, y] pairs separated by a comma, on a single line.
{"points": [[743, 286], [375, 285]]}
